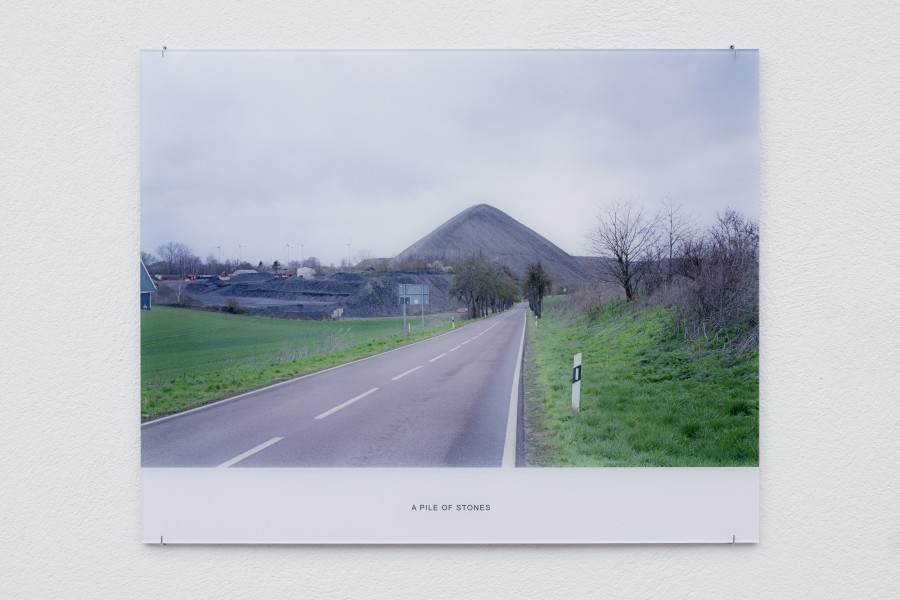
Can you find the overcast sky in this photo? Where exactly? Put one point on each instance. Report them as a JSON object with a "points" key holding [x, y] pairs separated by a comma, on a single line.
{"points": [[376, 149]]}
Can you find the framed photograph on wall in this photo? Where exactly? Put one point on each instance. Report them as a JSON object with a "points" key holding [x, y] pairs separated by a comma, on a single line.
{"points": [[449, 296]]}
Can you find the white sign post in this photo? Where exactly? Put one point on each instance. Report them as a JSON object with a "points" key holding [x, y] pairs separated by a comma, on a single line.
{"points": [[576, 383]]}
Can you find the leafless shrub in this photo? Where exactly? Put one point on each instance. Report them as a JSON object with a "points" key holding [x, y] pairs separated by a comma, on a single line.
{"points": [[718, 274], [234, 307], [710, 278]]}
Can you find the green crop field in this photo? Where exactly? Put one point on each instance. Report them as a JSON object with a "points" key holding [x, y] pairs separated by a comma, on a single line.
{"points": [[647, 399], [191, 357]]}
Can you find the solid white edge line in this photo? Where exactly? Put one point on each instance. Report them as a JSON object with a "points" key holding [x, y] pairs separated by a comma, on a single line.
{"points": [[287, 381], [241, 457], [438, 356], [347, 403], [509, 447], [405, 374]]}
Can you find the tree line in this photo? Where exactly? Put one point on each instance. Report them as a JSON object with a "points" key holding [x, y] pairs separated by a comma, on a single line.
{"points": [[709, 276], [485, 287], [488, 287], [178, 259]]}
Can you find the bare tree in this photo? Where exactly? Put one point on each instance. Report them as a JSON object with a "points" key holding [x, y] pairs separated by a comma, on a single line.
{"points": [[147, 258], [537, 285], [626, 237], [179, 258], [674, 231], [178, 288], [213, 265]]}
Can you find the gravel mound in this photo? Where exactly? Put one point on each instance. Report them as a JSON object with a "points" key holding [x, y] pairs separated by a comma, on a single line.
{"points": [[357, 295], [486, 231]]}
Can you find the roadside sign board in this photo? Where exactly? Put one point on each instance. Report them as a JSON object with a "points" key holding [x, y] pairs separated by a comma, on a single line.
{"points": [[413, 293]]}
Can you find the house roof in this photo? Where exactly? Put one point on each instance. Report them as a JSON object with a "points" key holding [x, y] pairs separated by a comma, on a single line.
{"points": [[147, 284]]}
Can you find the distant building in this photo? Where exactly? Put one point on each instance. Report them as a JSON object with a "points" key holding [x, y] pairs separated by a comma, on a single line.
{"points": [[147, 287], [245, 272], [306, 272]]}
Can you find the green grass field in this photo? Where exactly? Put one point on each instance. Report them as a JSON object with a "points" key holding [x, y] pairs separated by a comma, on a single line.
{"points": [[646, 399], [191, 357]]}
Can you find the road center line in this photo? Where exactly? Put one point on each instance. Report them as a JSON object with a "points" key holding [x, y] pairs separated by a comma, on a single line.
{"points": [[405, 374], [347, 403], [465, 342], [437, 357], [457, 348], [241, 457]]}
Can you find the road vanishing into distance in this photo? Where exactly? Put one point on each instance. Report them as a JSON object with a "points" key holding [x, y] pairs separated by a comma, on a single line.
{"points": [[449, 401]]}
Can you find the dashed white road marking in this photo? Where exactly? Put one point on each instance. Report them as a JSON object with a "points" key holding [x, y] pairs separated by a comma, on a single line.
{"points": [[465, 342], [287, 382], [405, 374], [437, 357], [457, 348], [347, 403], [241, 457]]}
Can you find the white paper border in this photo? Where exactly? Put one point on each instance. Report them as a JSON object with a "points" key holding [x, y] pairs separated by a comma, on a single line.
{"points": [[366, 506]]}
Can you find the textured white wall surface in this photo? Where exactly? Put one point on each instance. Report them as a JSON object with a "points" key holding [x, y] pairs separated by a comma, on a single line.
{"points": [[830, 369]]}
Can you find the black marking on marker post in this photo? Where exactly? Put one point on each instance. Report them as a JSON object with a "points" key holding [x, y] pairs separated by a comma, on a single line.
{"points": [[576, 374]]}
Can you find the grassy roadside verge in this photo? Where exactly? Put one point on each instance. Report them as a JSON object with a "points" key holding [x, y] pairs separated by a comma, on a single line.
{"points": [[646, 398], [190, 358]]}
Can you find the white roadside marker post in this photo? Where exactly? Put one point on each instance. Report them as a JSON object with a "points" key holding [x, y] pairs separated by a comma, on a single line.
{"points": [[576, 383]]}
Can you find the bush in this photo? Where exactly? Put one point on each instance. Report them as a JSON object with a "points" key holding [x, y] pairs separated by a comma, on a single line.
{"points": [[234, 307], [715, 292]]}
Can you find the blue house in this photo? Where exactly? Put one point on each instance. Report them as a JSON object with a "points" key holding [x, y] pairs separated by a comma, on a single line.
{"points": [[147, 287]]}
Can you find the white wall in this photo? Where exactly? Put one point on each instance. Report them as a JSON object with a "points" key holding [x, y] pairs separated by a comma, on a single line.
{"points": [[69, 201]]}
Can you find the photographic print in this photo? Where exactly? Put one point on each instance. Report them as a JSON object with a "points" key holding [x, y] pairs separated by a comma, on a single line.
{"points": [[413, 294]]}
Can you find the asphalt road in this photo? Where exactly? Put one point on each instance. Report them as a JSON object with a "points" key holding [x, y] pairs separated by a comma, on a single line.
{"points": [[450, 401]]}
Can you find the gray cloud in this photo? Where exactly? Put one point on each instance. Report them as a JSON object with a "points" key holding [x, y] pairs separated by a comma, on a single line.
{"points": [[377, 148]]}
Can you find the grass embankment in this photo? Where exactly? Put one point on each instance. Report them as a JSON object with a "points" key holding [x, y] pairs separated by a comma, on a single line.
{"points": [[190, 357], [647, 399]]}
